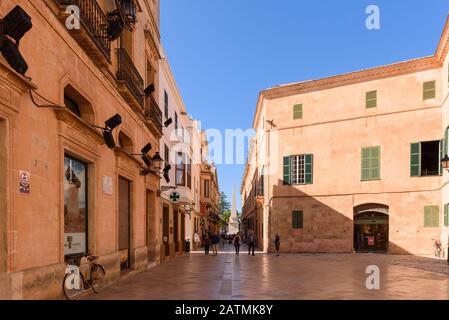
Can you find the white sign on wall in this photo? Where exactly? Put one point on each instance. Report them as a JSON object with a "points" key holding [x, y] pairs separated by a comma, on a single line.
{"points": [[74, 243], [107, 185]]}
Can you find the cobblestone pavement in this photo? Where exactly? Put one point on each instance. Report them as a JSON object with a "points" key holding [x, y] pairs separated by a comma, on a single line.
{"points": [[290, 276]]}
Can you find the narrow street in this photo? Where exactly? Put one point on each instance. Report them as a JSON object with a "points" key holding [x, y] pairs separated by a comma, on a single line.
{"points": [[290, 276]]}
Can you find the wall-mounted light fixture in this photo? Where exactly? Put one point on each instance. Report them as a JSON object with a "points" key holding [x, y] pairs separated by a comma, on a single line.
{"points": [[110, 125], [12, 28]]}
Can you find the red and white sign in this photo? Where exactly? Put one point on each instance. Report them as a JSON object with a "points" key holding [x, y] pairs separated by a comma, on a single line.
{"points": [[24, 181], [371, 241]]}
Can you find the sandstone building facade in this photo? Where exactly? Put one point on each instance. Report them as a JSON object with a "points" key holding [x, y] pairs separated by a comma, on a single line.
{"points": [[63, 190], [353, 161]]}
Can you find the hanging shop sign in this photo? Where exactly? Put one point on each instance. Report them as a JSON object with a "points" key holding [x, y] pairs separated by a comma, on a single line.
{"points": [[174, 197], [24, 182]]}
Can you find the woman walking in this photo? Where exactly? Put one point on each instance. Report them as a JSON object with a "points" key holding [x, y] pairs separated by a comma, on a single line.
{"points": [[206, 244]]}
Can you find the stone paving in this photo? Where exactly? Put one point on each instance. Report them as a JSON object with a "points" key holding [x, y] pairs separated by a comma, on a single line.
{"points": [[289, 276]]}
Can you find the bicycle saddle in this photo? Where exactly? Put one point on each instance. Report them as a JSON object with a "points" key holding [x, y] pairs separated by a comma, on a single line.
{"points": [[91, 258]]}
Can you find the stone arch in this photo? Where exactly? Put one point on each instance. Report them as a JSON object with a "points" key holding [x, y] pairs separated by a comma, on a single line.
{"points": [[371, 227]]}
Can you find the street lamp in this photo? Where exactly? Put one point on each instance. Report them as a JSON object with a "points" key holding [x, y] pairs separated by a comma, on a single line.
{"points": [[156, 161], [124, 17]]}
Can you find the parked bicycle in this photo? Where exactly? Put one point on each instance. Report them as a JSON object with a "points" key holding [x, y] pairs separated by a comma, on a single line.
{"points": [[76, 283], [438, 248]]}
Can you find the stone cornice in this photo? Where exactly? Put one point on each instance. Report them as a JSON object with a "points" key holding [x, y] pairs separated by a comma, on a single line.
{"points": [[15, 80]]}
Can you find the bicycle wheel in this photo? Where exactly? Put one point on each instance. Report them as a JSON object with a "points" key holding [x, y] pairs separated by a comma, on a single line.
{"points": [[73, 285], [97, 277]]}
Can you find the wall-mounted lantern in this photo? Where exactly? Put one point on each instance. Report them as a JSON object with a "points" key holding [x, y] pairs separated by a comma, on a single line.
{"points": [[445, 162], [123, 17]]}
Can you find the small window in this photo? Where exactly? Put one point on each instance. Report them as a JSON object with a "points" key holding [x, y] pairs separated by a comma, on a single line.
{"points": [[425, 158], [180, 169], [72, 105], [431, 217], [176, 121], [166, 155], [165, 105], [297, 111], [429, 90], [371, 99], [371, 163], [189, 173], [206, 188], [297, 219], [299, 169]]}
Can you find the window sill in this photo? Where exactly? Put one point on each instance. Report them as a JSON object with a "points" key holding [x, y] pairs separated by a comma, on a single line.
{"points": [[364, 180]]}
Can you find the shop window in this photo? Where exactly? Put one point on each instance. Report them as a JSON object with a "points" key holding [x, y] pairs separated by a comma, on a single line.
{"points": [[75, 206], [77, 104]]}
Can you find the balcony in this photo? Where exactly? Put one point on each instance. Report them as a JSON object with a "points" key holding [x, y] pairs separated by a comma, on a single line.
{"points": [[153, 116], [92, 36], [130, 83]]}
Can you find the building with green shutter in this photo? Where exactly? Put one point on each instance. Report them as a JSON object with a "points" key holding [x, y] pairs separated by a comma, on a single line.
{"points": [[353, 162]]}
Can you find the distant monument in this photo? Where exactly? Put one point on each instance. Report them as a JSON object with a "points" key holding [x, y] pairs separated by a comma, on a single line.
{"points": [[233, 225]]}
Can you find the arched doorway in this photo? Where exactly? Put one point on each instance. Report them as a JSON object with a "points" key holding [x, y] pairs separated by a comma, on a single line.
{"points": [[371, 224]]}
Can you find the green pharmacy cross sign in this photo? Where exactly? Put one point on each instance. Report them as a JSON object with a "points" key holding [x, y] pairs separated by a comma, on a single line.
{"points": [[174, 196]]}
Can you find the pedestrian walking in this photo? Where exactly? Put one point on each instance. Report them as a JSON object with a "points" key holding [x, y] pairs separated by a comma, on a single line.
{"points": [[215, 239], [196, 241], [251, 243], [206, 244], [277, 244], [237, 244]]}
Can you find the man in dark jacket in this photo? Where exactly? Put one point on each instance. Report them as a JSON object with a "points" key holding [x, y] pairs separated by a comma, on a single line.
{"points": [[251, 243]]}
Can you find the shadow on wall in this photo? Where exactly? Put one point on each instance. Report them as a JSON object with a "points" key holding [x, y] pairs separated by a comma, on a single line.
{"points": [[327, 225]]}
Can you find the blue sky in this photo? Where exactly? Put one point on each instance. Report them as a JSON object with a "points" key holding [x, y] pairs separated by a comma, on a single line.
{"points": [[223, 52]]}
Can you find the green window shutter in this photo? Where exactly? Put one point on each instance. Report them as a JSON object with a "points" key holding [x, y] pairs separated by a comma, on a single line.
{"points": [[431, 217], [297, 219], [371, 163], [375, 162], [446, 215], [286, 171], [308, 163], [429, 90], [415, 159], [371, 99], [441, 156], [297, 111]]}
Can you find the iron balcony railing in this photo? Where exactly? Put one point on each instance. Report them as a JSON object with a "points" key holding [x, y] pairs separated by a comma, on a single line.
{"points": [[153, 112], [128, 72], [94, 21]]}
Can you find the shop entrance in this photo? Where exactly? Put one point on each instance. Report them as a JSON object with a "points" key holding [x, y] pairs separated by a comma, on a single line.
{"points": [[165, 227], [371, 228], [124, 232]]}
